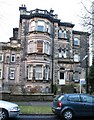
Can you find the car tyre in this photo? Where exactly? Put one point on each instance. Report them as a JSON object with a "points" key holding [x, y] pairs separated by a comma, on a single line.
{"points": [[68, 114], [3, 114]]}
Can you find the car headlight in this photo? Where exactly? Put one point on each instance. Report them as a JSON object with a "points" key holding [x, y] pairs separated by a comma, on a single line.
{"points": [[14, 109]]}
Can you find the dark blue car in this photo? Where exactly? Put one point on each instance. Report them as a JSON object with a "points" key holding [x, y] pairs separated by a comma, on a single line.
{"points": [[72, 105]]}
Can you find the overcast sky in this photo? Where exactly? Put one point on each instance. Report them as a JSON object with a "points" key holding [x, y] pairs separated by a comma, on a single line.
{"points": [[67, 10]]}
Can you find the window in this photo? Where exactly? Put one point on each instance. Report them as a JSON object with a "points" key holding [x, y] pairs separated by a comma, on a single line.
{"points": [[60, 34], [0, 73], [40, 26], [12, 73], [1, 57], [61, 75], [38, 72], [47, 72], [40, 46], [32, 26], [30, 72], [74, 98], [12, 58], [30, 47], [76, 58], [48, 27], [76, 41], [65, 34], [87, 99], [65, 52], [60, 53], [47, 48]]}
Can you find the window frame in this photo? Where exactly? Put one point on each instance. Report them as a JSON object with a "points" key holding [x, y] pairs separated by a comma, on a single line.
{"points": [[13, 58], [12, 73], [39, 72]]}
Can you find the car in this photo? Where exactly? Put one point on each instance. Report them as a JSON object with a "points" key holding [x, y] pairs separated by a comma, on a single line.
{"points": [[72, 105], [8, 110]]}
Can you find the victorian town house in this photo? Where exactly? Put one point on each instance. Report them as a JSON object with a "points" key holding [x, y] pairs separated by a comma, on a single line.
{"points": [[43, 52]]}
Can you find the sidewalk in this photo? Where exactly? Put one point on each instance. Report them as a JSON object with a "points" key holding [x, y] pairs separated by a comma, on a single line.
{"points": [[34, 103]]}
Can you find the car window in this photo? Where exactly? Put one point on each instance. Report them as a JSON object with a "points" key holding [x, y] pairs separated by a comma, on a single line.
{"points": [[74, 98], [60, 97], [88, 99]]}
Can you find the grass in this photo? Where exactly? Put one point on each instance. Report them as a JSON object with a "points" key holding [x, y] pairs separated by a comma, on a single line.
{"points": [[35, 109]]}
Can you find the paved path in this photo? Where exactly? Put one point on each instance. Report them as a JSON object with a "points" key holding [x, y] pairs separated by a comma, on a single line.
{"points": [[34, 103]]}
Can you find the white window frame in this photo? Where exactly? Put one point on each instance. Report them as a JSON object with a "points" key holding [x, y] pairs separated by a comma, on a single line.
{"points": [[0, 73], [32, 26], [76, 58], [60, 33], [30, 72], [13, 57], [60, 53], [39, 72], [48, 28], [1, 57], [40, 23], [30, 47], [47, 72], [76, 41], [12, 73], [47, 47]]}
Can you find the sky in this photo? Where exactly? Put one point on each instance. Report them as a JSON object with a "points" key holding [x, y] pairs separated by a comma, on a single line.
{"points": [[67, 10]]}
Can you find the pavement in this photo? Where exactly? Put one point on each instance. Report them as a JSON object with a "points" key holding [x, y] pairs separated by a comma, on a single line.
{"points": [[35, 103]]}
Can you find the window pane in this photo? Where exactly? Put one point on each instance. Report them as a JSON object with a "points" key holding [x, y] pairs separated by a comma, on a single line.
{"points": [[38, 72], [40, 46], [12, 74], [0, 73], [76, 41], [30, 72], [40, 26], [61, 75]]}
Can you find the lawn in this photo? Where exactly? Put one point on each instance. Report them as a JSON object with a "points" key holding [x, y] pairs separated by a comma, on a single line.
{"points": [[35, 109]]}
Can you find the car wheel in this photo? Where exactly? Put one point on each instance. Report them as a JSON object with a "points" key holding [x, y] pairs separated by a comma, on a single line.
{"points": [[68, 115], [3, 114]]}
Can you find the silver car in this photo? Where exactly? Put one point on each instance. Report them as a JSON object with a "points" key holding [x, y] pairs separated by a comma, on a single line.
{"points": [[8, 109]]}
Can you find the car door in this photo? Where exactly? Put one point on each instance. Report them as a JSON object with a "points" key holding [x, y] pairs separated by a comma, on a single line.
{"points": [[86, 105], [75, 104]]}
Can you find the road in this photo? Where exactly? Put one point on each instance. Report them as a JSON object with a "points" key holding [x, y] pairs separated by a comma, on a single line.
{"points": [[44, 117]]}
